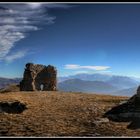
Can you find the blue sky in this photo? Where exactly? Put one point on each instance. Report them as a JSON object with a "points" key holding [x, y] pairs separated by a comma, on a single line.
{"points": [[76, 38]]}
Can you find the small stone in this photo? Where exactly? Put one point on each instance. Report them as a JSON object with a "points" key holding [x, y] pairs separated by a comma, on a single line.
{"points": [[101, 120]]}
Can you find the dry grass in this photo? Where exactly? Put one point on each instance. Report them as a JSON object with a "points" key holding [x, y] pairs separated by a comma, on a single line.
{"points": [[62, 114], [12, 87]]}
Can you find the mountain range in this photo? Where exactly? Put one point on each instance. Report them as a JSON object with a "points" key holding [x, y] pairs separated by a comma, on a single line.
{"points": [[86, 77], [90, 83], [78, 85], [101, 83], [4, 82]]}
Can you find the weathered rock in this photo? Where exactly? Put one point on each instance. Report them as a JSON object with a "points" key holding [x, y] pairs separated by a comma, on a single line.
{"points": [[101, 120], [122, 113], [126, 112], [39, 76], [138, 92], [134, 124], [12, 107]]}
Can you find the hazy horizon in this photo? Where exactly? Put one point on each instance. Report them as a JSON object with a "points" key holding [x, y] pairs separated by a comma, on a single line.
{"points": [[78, 74], [75, 38]]}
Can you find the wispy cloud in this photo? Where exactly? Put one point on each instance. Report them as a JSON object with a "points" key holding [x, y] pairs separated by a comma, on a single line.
{"points": [[81, 72], [75, 67], [62, 6], [16, 20], [15, 56]]}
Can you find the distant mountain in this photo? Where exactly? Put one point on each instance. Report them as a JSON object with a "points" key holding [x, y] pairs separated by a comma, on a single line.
{"points": [[121, 82], [100, 83], [4, 82], [126, 92], [136, 79], [78, 85], [87, 77]]}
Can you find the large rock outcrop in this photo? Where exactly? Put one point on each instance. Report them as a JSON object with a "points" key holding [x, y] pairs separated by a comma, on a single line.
{"points": [[127, 112], [39, 77]]}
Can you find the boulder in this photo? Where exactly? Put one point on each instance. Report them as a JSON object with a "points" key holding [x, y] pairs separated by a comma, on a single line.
{"points": [[126, 112]]}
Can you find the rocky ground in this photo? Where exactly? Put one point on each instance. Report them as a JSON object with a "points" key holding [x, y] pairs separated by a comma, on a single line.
{"points": [[59, 114]]}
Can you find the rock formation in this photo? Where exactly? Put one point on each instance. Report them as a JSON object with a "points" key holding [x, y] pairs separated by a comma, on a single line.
{"points": [[39, 77], [12, 107], [127, 112]]}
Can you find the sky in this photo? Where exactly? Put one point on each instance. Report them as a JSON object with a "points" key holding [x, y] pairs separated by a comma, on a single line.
{"points": [[75, 38]]}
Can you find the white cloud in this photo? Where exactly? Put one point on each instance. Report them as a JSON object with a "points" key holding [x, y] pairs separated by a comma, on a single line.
{"points": [[81, 72], [63, 6], [72, 66], [75, 67], [16, 20], [15, 56], [34, 5]]}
